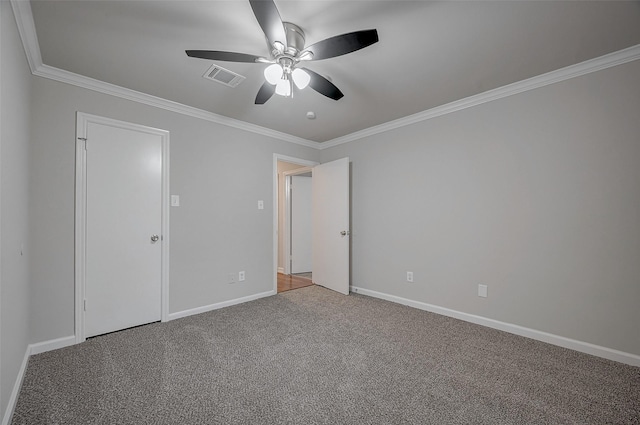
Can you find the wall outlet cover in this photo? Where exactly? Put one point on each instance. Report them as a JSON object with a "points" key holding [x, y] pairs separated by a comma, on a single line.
{"points": [[241, 276], [483, 291], [409, 276]]}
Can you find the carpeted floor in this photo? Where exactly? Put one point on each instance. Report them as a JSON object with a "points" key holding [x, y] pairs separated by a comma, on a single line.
{"points": [[312, 356]]}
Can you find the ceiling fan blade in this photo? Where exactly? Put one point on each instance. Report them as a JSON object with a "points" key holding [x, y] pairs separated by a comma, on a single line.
{"points": [[269, 19], [343, 44], [266, 91], [323, 86], [222, 56]]}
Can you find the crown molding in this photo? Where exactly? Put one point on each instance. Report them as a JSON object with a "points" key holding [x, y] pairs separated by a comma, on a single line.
{"points": [[27, 30], [603, 62], [63, 76], [26, 27]]}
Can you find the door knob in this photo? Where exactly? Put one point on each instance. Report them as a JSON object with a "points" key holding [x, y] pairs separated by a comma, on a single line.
{"points": [[155, 238], [344, 233]]}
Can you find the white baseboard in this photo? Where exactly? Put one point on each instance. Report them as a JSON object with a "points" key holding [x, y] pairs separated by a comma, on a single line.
{"points": [[32, 349], [53, 344], [13, 398], [281, 270], [204, 309], [584, 347]]}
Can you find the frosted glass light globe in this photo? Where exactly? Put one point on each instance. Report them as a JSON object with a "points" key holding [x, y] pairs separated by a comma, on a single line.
{"points": [[301, 78], [283, 88], [273, 73]]}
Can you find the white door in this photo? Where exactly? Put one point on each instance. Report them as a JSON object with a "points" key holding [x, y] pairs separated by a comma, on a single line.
{"points": [[330, 187], [123, 228], [300, 195]]}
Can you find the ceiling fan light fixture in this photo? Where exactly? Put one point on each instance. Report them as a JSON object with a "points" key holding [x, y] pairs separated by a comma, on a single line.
{"points": [[286, 43], [283, 88], [301, 78], [273, 73]]}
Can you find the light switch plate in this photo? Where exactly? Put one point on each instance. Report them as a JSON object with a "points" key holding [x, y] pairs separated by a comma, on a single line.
{"points": [[483, 291], [175, 200], [260, 205]]}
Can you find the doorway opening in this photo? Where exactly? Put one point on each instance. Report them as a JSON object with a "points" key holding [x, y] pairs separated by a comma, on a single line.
{"points": [[330, 198], [292, 223]]}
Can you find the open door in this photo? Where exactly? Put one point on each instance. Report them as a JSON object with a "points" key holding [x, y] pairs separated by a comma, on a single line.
{"points": [[330, 223]]}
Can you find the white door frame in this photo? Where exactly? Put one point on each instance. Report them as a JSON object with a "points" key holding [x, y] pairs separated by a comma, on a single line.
{"points": [[82, 123], [286, 237], [278, 157]]}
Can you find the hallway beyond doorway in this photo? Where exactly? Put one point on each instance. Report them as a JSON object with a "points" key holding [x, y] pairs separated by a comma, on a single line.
{"points": [[289, 282]]}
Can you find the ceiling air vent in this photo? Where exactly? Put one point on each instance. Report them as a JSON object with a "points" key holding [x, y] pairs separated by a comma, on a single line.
{"points": [[223, 76]]}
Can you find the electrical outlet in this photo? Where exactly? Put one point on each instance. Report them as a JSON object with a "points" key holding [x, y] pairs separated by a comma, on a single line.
{"points": [[483, 291], [231, 278], [409, 276], [241, 276]]}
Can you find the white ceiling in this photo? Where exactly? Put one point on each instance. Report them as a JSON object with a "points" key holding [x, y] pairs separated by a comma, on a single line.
{"points": [[429, 54]]}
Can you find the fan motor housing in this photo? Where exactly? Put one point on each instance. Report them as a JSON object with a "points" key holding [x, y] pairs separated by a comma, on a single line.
{"points": [[295, 38]]}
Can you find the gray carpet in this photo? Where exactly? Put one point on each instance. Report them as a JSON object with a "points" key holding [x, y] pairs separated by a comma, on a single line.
{"points": [[312, 356]]}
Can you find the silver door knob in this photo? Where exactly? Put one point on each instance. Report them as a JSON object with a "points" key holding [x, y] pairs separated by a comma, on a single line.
{"points": [[344, 233], [155, 238]]}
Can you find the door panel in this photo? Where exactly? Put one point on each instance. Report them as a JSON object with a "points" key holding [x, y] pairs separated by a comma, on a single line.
{"points": [[124, 210], [300, 224], [330, 216]]}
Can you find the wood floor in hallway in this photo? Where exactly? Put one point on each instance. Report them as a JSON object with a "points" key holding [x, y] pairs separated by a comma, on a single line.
{"points": [[288, 282]]}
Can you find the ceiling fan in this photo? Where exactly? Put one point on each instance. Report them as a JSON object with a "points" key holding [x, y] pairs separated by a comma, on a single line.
{"points": [[287, 51]]}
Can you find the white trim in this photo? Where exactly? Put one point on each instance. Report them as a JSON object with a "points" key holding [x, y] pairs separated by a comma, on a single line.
{"points": [[281, 270], [216, 306], [80, 229], [572, 71], [13, 398], [165, 227], [24, 18], [277, 157], [26, 27], [53, 344], [584, 347], [31, 350], [146, 99], [82, 123]]}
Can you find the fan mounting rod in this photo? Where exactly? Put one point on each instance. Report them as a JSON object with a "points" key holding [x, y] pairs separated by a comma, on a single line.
{"points": [[288, 57]]}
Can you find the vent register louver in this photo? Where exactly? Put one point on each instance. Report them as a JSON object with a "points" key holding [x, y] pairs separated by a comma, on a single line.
{"points": [[223, 76]]}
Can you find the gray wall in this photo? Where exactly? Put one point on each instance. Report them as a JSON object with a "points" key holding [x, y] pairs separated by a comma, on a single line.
{"points": [[14, 182], [219, 172], [536, 195]]}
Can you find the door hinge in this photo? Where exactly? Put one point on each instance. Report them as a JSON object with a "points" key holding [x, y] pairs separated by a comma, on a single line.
{"points": [[85, 305]]}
